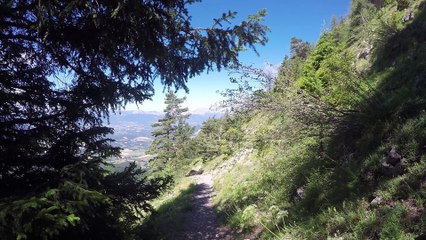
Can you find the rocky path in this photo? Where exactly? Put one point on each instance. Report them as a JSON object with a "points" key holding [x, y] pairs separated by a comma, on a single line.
{"points": [[202, 223]]}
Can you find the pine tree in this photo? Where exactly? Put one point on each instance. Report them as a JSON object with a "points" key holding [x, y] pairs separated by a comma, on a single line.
{"points": [[172, 133], [209, 138]]}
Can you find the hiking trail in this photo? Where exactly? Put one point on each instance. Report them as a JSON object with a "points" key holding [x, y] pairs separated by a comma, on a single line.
{"points": [[202, 223]]}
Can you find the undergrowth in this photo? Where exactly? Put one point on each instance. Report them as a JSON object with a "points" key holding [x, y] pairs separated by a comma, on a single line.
{"points": [[319, 167], [168, 220]]}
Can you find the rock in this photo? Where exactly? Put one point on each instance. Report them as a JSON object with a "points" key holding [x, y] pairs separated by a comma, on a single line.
{"points": [[299, 91], [397, 171], [301, 192], [376, 201], [401, 163], [393, 163], [385, 163], [364, 53], [393, 157], [197, 171], [408, 17]]}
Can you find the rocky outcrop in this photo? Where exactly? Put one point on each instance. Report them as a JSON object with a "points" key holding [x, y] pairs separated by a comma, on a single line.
{"points": [[238, 157], [376, 201], [301, 193], [393, 163], [409, 16], [364, 53], [196, 171]]}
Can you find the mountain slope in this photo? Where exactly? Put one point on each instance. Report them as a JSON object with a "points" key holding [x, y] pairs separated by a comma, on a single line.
{"points": [[337, 148]]}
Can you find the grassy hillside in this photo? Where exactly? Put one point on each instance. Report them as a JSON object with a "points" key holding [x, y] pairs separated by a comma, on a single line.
{"points": [[337, 148]]}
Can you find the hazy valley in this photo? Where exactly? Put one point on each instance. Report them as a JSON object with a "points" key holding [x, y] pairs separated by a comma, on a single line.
{"points": [[132, 133]]}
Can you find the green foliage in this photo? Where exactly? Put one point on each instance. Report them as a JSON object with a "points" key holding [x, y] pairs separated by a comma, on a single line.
{"points": [[76, 209], [310, 80], [168, 219], [330, 74], [400, 43], [362, 11], [231, 140], [141, 188], [64, 66], [260, 142], [392, 228], [209, 138], [289, 70], [411, 138], [299, 48], [47, 215], [173, 134], [325, 163], [220, 136]]}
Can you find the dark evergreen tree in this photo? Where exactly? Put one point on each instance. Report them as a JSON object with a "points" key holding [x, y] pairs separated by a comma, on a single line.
{"points": [[64, 65]]}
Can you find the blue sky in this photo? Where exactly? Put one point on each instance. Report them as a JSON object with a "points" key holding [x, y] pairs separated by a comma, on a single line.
{"points": [[303, 19]]}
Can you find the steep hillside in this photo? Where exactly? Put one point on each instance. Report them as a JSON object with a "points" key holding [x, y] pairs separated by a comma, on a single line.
{"points": [[337, 148]]}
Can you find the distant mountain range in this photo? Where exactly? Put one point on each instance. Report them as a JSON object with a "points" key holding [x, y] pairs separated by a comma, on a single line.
{"points": [[144, 120]]}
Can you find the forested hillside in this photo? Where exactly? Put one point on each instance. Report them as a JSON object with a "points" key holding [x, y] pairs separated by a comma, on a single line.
{"points": [[334, 146]]}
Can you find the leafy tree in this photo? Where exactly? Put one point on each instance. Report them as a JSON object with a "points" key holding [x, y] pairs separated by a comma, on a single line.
{"points": [[172, 133], [64, 65], [251, 85]]}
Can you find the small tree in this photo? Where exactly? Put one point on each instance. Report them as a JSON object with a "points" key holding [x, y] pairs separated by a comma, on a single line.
{"points": [[172, 132], [209, 138]]}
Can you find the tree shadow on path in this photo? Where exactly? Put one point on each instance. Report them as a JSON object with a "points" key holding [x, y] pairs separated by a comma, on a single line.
{"points": [[201, 220]]}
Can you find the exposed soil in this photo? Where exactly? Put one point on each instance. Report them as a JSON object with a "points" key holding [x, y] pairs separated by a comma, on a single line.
{"points": [[202, 222]]}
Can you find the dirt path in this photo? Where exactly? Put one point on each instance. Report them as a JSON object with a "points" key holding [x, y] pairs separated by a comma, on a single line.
{"points": [[201, 220]]}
